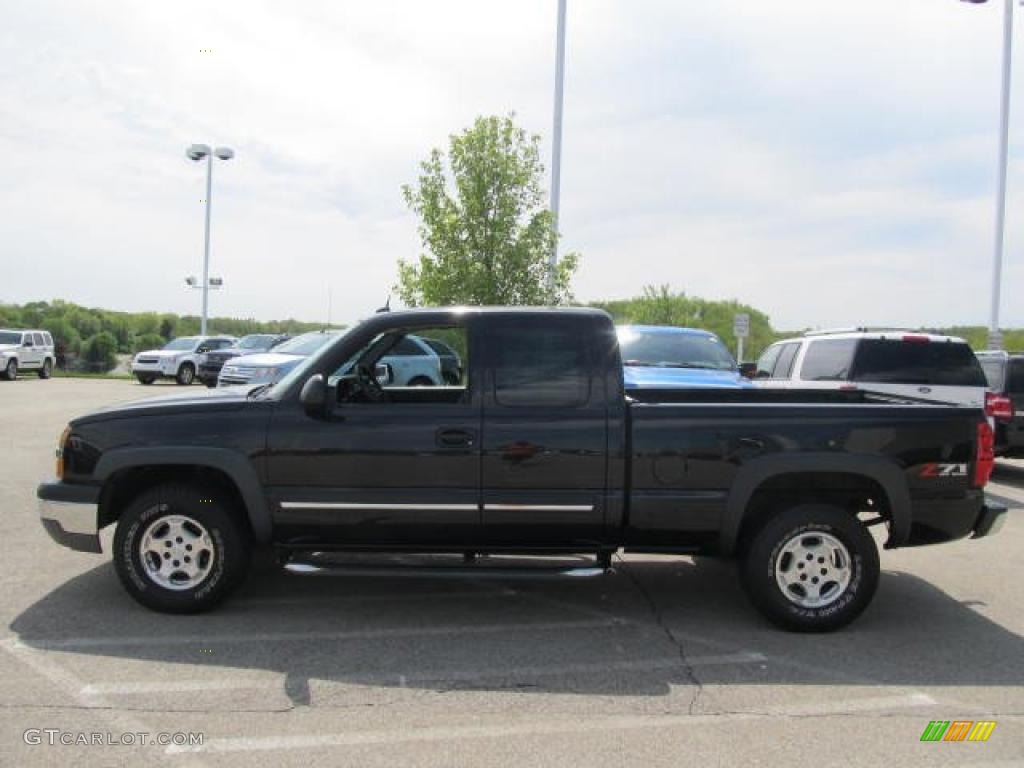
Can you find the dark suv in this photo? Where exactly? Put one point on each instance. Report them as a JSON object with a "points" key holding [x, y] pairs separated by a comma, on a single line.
{"points": [[1005, 374], [211, 363]]}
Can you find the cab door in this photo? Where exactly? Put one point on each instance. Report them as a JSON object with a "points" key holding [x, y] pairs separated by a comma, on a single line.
{"points": [[545, 434]]}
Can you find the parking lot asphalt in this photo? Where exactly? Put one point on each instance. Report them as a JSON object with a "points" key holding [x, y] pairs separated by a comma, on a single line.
{"points": [[662, 662]]}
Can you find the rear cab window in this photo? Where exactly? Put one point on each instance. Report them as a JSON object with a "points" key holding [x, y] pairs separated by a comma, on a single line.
{"points": [[994, 369], [936, 363], [536, 365]]}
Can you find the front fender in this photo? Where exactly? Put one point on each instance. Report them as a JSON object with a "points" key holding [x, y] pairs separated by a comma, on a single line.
{"points": [[235, 465]]}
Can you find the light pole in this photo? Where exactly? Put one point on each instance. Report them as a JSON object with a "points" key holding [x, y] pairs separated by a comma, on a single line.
{"points": [[994, 337], [196, 153], [556, 145]]}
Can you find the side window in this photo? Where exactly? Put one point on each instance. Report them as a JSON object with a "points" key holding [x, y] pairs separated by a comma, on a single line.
{"points": [[784, 364], [26, 340], [48, 339], [38, 339], [536, 365], [1015, 383], [766, 363], [828, 360]]}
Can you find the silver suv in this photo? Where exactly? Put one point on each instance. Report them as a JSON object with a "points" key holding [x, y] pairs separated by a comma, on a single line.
{"points": [[25, 351]]}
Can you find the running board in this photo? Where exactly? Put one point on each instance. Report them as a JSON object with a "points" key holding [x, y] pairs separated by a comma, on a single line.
{"points": [[306, 567]]}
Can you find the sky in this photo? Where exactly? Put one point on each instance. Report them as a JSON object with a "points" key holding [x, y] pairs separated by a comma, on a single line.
{"points": [[831, 164]]}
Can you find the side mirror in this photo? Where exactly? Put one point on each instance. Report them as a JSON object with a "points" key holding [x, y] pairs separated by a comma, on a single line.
{"points": [[314, 395], [748, 370], [384, 374]]}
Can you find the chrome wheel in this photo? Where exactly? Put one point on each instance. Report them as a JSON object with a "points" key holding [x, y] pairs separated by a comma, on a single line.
{"points": [[176, 552], [813, 569]]}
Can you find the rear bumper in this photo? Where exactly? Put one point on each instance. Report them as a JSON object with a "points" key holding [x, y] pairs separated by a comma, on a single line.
{"points": [[70, 514], [991, 519]]}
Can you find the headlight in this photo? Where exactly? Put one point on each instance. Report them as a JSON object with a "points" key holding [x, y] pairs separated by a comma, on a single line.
{"points": [[265, 374]]}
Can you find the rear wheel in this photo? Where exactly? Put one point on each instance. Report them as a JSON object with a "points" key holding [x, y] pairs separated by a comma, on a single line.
{"points": [[10, 371], [812, 568], [47, 370], [180, 549], [186, 374]]}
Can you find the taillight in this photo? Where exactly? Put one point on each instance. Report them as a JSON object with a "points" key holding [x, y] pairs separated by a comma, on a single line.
{"points": [[914, 338], [985, 460], [62, 445], [998, 406]]}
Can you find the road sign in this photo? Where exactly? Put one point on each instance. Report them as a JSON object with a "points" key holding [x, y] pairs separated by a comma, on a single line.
{"points": [[741, 326]]}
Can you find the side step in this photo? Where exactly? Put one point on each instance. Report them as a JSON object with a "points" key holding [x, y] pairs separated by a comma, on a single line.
{"points": [[320, 564]]}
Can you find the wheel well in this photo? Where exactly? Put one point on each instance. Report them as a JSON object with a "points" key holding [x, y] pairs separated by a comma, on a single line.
{"points": [[849, 491], [124, 485]]}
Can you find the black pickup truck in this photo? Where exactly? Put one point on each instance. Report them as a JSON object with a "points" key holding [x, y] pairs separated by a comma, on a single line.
{"points": [[536, 449]]}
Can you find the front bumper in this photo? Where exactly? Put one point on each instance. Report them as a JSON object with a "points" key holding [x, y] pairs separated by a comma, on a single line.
{"points": [[161, 368], [990, 521], [70, 514]]}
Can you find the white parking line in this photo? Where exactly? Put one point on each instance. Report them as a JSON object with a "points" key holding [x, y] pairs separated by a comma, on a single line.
{"points": [[175, 686], [70, 685], [547, 726], [76, 643]]}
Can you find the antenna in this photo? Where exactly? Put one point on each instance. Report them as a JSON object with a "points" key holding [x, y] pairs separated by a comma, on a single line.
{"points": [[386, 307], [329, 297]]}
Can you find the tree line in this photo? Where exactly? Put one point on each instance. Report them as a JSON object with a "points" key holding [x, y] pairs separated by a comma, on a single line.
{"points": [[96, 336]]}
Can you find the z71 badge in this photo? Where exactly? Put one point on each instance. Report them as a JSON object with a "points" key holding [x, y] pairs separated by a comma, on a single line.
{"points": [[944, 470]]}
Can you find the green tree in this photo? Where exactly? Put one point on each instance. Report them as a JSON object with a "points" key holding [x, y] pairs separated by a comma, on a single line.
{"points": [[486, 230], [100, 352], [148, 341], [64, 334]]}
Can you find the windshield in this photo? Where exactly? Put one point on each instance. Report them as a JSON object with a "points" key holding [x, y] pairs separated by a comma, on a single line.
{"points": [[306, 344], [667, 349], [257, 341], [184, 343], [10, 337]]}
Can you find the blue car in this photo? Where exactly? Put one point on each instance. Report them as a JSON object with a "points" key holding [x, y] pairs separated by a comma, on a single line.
{"points": [[665, 357]]}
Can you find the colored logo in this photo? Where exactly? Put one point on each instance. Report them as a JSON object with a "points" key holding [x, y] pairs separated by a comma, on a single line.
{"points": [[958, 730]]}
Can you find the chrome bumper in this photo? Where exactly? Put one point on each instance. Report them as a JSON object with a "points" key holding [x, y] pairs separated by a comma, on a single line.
{"points": [[70, 514]]}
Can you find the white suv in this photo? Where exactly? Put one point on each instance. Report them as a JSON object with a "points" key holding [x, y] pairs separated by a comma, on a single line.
{"points": [[25, 351], [178, 360], [922, 366]]}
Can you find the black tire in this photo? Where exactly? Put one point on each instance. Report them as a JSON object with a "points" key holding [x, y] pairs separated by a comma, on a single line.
{"points": [[227, 536], [211, 383], [147, 380], [766, 550], [10, 371], [47, 370], [186, 374], [452, 379], [421, 381]]}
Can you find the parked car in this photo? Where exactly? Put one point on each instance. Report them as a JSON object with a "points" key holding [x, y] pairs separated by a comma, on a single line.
{"points": [[210, 363], [177, 359], [539, 452], [1005, 375], [666, 357], [451, 363], [268, 367], [924, 366], [26, 351]]}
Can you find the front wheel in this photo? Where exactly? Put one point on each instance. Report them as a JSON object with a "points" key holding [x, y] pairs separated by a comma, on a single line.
{"points": [[147, 380], [812, 568], [180, 549], [10, 371], [186, 374]]}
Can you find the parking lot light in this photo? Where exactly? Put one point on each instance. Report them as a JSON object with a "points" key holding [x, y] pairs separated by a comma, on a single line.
{"points": [[196, 153]]}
